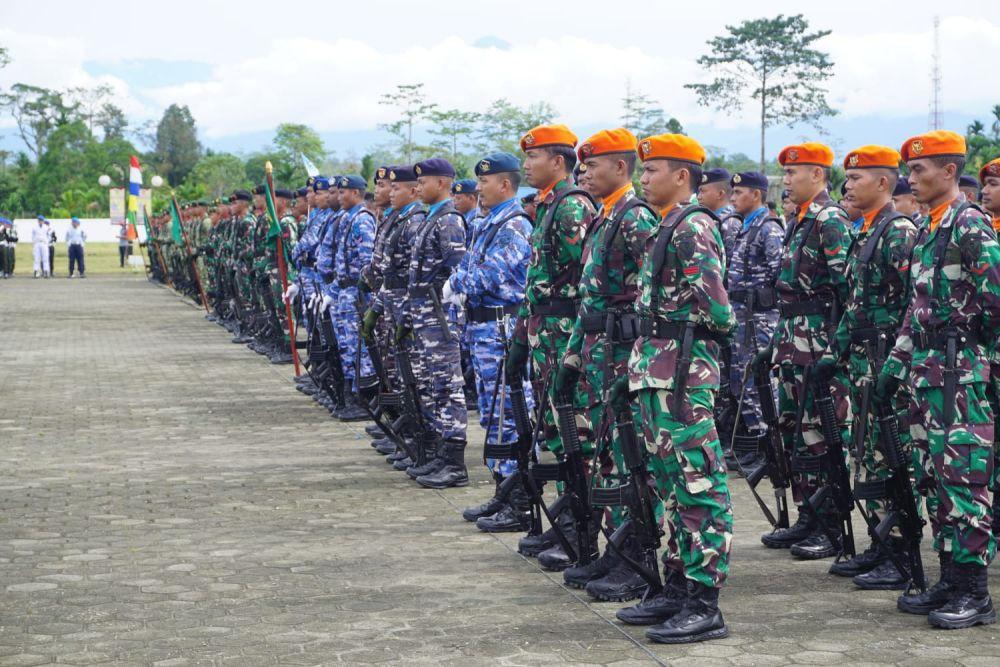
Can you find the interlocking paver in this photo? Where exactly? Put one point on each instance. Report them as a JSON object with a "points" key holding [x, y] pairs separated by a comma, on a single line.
{"points": [[168, 498]]}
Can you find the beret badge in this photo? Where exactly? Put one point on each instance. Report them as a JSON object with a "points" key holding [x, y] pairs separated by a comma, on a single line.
{"points": [[853, 160], [917, 147], [529, 139], [484, 166], [392, 175], [587, 150], [736, 179], [646, 147], [793, 155], [418, 170]]}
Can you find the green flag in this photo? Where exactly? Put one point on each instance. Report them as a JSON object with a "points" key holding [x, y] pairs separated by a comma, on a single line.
{"points": [[273, 229], [175, 222], [145, 222]]}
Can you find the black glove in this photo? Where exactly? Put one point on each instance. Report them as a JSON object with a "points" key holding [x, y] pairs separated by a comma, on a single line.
{"points": [[825, 369], [618, 395], [885, 388], [517, 358], [762, 359], [565, 381]]}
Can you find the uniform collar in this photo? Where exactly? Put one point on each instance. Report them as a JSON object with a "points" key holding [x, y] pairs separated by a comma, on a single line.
{"points": [[938, 213], [611, 200], [870, 217], [434, 208], [753, 217], [545, 193]]}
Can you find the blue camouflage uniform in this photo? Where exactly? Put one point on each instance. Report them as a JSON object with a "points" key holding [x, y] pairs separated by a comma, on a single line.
{"points": [[355, 241]]}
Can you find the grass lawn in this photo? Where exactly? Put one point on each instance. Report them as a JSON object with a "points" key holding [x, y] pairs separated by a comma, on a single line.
{"points": [[99, 258]]}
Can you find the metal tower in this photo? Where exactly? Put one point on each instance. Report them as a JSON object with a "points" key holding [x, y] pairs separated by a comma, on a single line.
{"points": [[934, 118]]}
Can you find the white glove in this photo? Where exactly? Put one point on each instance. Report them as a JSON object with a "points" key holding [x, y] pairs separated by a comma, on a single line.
{"points": [[291, 293], [327, 302], [448, 295]]}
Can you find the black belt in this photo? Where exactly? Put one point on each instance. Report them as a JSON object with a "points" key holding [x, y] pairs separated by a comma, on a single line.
{"points": [[395, 282], [938, 340], [480, 314], [813, 307], [561, 307], [625, 327], [863, 335], [765, 298], [657, 327]]}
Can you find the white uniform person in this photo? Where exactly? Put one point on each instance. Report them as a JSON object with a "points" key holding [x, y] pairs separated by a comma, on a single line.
{"points": [[75, 238], [40, 247]]}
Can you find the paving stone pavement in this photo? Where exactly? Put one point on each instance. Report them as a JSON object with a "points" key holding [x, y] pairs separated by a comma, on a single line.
{"points": [[166, 497]]}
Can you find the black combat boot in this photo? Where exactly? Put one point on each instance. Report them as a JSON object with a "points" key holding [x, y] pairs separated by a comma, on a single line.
{"points": [[816, 546], [433, 461], [699, 620], [352, 410], [884, 577], [375, 431], [401, 464], [865, 561], [935, 596], [657, 606], [970, 603], [579, 576], [384, 446], [532, 545], [512, 518], [453, 472], [556, 559], [784, 538], [622, 583], [494, 504], [397, 455]]}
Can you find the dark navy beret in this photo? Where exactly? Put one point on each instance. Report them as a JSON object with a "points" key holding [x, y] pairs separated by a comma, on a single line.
{"points": [[381, 173], [353, 181], [902, 187], [241, 195], [497, 163], [283, 193], [321, 183], [464, 186], [301, 192], [966, 181], [436, 166], [715, 175], [402, 174], [259, 189], [749, 179]]}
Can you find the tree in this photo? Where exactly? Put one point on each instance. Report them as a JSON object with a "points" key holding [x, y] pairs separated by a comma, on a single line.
{"points": [[218, 174], [37, 113], [996, 121], [642, 118], [177, 148], [453, 129], [367, 167], [411, 103], [975, 128], [291, 142], [771, 61], [112, 121], [89, 102], [503, 124]]}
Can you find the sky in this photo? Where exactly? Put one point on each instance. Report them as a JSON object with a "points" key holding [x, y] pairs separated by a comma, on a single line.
{"points": [[245, 67]]}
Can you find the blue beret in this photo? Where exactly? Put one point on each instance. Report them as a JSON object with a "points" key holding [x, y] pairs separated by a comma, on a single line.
{"points": [[42, 218], [283, 193], [301, 192], [902, 187], [966, 181], [402, 174], [715, 175], [750, 179], [353, 181], [321, 183], [4, 221], [435, 166], [241, 195], [464, 186], [497, 163]]}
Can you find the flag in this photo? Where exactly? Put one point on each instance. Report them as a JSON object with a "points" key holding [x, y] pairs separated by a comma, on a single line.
{"points": [[175, 222], [311, 169], [134, 183], [145, 223], [273, 229]]}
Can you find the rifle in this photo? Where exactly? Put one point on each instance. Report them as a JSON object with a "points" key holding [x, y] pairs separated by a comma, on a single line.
{"points": [[411, 416], [776, 465], [636, 494], [838, 486], [576, 485]]}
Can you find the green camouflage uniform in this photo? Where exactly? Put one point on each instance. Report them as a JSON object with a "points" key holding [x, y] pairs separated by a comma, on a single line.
{"points": [[955, 286], [677, 421], [288, 239]]}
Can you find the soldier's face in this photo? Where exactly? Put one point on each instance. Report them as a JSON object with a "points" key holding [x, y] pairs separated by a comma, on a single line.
{"points": [[905, 204], [991, 194], [333, 198], [865, 189], [310, 198], [605, 173], [491, 190], [465, 202], [971, 194], [745, 200], [661, 184], [712, 196], [929, 181], [382, 193], [431, 188], [539, 168], [803, 182], [401, 194]]}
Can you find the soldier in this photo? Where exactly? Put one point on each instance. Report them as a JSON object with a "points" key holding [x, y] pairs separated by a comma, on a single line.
{"points": [[354, 250], [941, 352], [240, 253], [329, 290], [463, 193], [489, 282], [286, 225], [436, 248], [755, 258], [529, 203], [989, 178], [545, 320], [811, 288], [878, 267], [715, 193], [904, 201], [604, 331], [969, 186], [4, 227], [685, 318]]}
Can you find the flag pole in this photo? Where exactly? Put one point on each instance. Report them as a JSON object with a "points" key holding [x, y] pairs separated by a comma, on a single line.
{"points": [[187, 245], [282, 269]]}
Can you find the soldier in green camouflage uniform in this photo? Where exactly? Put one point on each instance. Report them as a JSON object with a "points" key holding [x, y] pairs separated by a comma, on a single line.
{"points": [[241, 256], [287, 223], [604, 331], [878, 267], [812, 288], [942, 351], [685, 319], [546, 319]]}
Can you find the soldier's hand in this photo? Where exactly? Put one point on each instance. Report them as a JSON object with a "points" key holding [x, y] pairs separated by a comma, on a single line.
{"points": [[402, 332], [565, 381], [618, 395], [825, 369], [762, 359], [885, 388], [326, 302], [517, 358], [368, 323], [363, 285], [290, 293]]}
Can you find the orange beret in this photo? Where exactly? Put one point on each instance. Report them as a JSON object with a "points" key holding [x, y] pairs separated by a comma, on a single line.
{"points": [[548, 135], [991, 168], [868, 157], [933, 144], [608, 141], [810, 152], [671, 147]]}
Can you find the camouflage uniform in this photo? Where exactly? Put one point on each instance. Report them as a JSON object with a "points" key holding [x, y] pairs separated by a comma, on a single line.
{"points": [[326, 253], [811, 285], [492, 275], [354, 251], [287, 225], [546, 319], [681, 290], [955, 291], [612, 253]]}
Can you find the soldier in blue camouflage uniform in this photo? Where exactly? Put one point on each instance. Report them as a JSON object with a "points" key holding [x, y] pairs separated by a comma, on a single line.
{"points": [[436, 248], [329, 290], [490, 283], [463, 194], [754, 260], [354, 250], [715, 194]]}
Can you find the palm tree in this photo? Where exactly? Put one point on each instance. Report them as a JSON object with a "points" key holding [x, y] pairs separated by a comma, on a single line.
{"points": [[996, 121], [975, 129]]}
